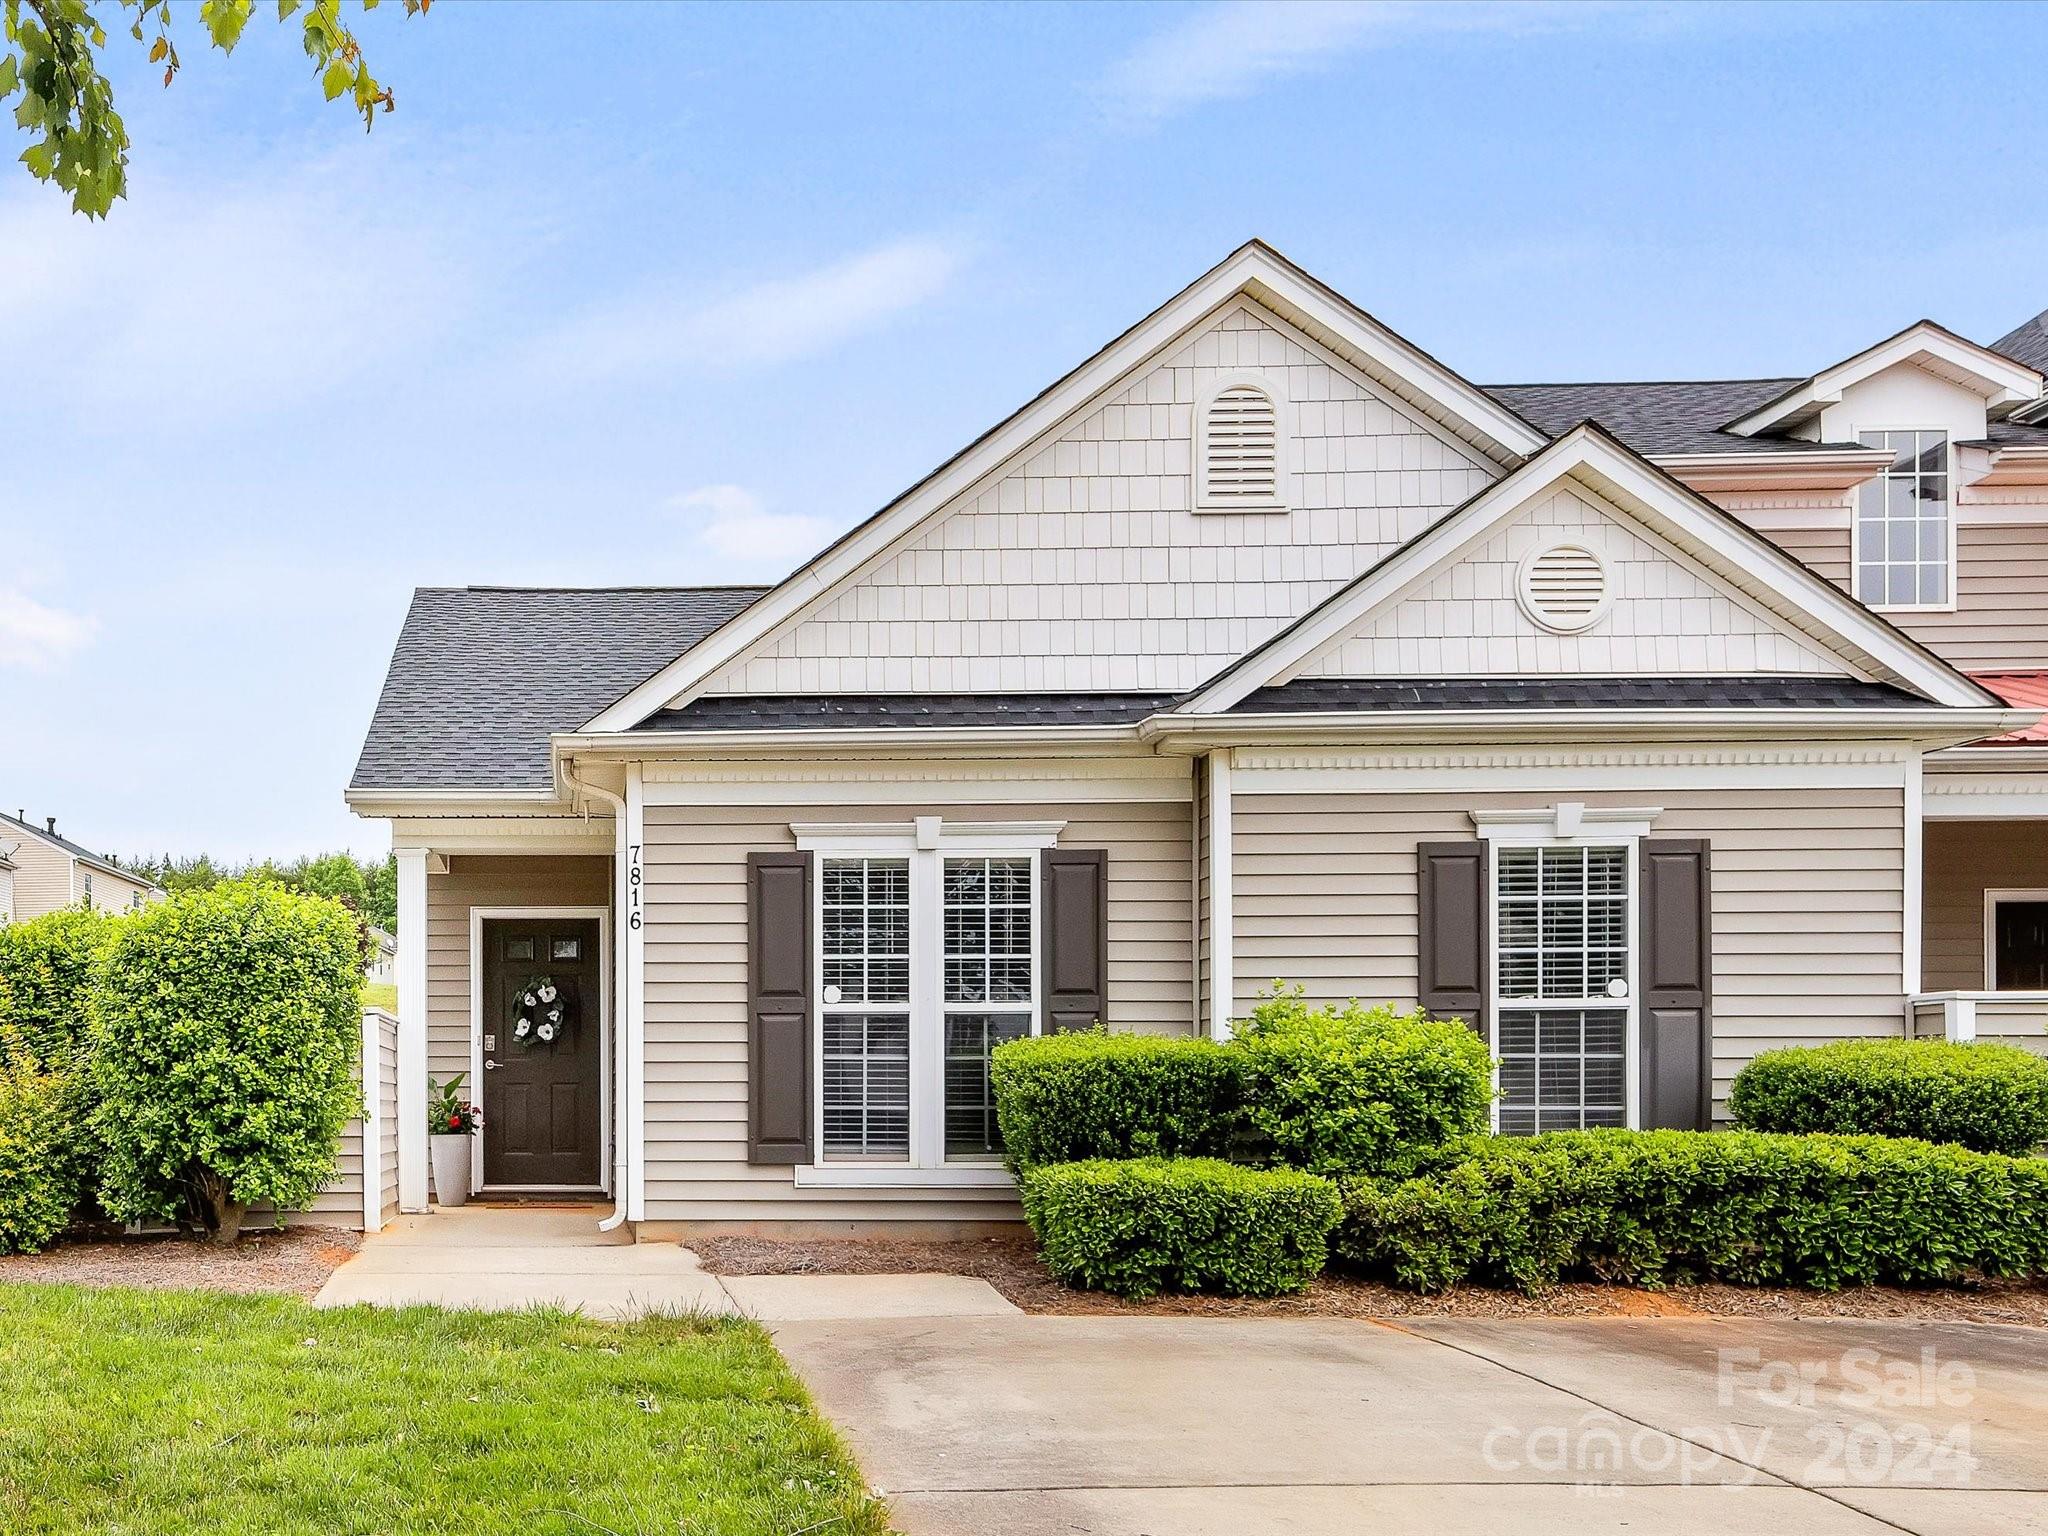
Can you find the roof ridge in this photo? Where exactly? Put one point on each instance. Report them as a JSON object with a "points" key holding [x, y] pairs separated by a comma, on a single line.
{"points": [[1775, 378], [722, 586]]}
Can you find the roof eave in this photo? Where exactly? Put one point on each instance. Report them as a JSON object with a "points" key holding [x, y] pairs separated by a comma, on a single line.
{"points": [[1821, 470], [2004, 382]]}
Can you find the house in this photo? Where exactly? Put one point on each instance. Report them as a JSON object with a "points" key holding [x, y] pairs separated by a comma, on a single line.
{"points": [[1643, 726], [43, 872], [381, 970]]}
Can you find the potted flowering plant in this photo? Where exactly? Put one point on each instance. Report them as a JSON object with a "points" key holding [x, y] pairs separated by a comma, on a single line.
{"points": [[451, 1121]]}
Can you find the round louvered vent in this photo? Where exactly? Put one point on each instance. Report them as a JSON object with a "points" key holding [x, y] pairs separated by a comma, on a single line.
{"points": [[1564, 587]]}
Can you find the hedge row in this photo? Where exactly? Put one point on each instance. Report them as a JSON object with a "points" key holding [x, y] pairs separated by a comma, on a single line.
{"points": [[1985, 1096], [1656, 1207], [1139, 1226]]}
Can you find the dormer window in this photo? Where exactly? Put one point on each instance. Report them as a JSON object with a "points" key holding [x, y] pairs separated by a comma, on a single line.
{"points": [[1238, 450], [1905, 537]]}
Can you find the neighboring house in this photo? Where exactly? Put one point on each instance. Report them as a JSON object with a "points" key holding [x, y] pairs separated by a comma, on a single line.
{"points": [[1635, 724], [44, 872], [382, 970]]}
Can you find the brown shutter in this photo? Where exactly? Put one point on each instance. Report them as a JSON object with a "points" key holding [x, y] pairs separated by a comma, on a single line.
{"points": [[1452, 947], [1076, 910], [779, 1007], [1677, 966]]}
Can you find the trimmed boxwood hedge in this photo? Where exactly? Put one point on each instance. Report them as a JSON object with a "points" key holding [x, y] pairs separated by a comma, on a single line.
{"points": [[1141, 1226], [1090, 1094], [39, 1174], [1984, 1096], [1653, 1207], [1357, 1090]]}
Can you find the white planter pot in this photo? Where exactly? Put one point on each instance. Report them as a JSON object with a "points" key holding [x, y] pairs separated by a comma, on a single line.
{"points": [[451, 1168]]}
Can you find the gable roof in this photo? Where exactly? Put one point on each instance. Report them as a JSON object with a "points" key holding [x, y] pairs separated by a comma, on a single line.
{"points": [[1254, 270], [1741, 556], [2027, 343], [482, 675], [1936, 348], [77, 850], [1662, 418]]}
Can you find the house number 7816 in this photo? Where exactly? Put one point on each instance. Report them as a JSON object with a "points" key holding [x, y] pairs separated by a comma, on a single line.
{"points": [[633, 886]]}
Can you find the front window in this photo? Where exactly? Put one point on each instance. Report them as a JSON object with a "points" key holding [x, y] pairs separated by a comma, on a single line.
{"points": [[927, 963], [1562, 963], [1902, 523], [88, 887]]}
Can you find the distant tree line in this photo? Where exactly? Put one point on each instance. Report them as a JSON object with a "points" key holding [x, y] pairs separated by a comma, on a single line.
{"points": [[368, 887]]}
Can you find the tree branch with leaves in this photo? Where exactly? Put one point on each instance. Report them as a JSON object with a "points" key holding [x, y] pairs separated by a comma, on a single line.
{"points": [[50, 56]]}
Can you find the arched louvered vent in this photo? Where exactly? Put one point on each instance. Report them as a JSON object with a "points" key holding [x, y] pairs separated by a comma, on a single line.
{"points": [[1564, 587], [1239, 451]]}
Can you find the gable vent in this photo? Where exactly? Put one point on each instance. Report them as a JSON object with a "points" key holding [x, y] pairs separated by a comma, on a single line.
{"points": [[1239, 451], [1564, 587]]}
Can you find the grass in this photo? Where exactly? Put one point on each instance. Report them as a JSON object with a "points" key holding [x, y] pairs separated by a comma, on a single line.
{"points": [[381, 994], [170, 1413]]}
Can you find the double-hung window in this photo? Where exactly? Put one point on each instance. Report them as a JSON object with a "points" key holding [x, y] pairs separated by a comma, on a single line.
{"points": [[927, 961], [1563, 976], [1905, 538]]}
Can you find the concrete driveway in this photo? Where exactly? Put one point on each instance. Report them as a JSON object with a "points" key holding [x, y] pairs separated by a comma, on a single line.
{"points": [[1219, 1427]]}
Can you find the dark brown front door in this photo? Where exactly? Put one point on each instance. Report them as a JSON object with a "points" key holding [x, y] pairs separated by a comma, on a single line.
{"points": [[542, 1117], [2019, 945]]}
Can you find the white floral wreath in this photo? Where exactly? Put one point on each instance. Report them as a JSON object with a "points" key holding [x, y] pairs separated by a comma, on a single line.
{"points": [[540, 1013]]}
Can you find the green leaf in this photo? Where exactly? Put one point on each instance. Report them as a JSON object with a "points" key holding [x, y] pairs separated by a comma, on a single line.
{"points": [[224, 21], [336, 78], [9, 75], [41, 160], [285, 8]]}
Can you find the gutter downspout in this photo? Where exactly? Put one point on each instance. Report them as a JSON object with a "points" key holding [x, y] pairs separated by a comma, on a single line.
{"points": [[621, 1077]]}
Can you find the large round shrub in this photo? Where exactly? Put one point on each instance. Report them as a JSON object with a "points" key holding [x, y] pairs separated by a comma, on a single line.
{"points": [[38, 1173], [1984, 1096], [49, 969], [1358, 1090], [228, 1029]]}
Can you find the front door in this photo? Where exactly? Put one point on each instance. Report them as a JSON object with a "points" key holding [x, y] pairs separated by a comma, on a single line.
{"points": [[543, 1038], [2019, 945]]}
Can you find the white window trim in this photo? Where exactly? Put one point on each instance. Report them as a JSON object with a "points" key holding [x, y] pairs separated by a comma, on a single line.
{"points": [[1283, 439], [1992, 897], [1570, 824], [1856, 527], [926, 843]]}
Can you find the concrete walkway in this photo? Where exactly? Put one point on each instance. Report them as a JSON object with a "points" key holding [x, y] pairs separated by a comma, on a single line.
{"points": [[500, 1258], [1213, 1426]]}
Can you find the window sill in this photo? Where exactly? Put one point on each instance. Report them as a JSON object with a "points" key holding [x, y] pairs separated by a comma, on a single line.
{"points": [[1216, 508], [855, 1176], [1911, 607]]}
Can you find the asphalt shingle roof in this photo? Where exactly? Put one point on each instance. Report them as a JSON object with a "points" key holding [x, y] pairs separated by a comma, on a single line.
{"points": [[867, 711], [77, 850], [1659, 418], [481, 675], [1308, 694], [2027, 343]]}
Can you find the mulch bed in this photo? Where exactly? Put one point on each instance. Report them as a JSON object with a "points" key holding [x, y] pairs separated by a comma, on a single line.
{"points": [[1011, 1265], [292, 1262]]}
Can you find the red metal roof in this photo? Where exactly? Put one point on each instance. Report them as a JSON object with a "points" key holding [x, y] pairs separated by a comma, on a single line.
{"points": [[2022, 690]]}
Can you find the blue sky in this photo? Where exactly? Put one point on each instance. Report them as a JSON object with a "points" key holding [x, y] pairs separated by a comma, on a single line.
{"points": [[645, 293]]}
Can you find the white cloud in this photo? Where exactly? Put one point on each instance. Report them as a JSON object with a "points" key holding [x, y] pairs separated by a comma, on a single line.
{"points": [[773, 321], [34, 636], [1235, 48], [739, 527]]}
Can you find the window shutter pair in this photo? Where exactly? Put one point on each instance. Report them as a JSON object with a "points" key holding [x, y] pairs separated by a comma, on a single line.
{"points": [[781, 910], [1675, 963]]}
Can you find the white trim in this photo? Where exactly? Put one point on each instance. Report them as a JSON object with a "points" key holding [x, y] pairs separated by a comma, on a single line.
{"points": [[1283, 439], [1254, 270], [634, 1013], [865, 838], [1742, 558], [1913, 912], [1569, 822], [1806, 470], [1999, 379], [1088, 781], [1564, 772], [412, 1028], [373, 1119], [1992, 897], [1222, 898], [478, 916]]}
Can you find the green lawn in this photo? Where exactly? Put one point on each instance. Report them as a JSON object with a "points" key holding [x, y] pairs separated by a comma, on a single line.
{"points": [[170, 1413], [381, 994]]}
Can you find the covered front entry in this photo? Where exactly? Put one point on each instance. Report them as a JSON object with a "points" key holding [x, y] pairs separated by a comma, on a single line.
{"points": [[542, 1048]]}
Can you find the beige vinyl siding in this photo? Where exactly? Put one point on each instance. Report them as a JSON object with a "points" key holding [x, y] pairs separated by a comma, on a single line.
{"points": [[340, 1199], [42, 876], [479, 880], [2001, 573], [696, 985], [1961, 860], [1808, 899]]}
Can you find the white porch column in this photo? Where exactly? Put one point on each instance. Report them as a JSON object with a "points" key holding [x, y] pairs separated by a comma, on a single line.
{"points": [[412, 1029], [1916, 898], [1222, 931], [634, 1009]]}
